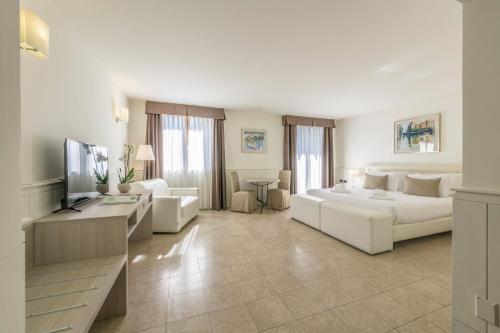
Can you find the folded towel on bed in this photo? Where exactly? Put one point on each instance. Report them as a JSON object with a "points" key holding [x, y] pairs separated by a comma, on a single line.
{"points": [[380, 192], [381, 197]]}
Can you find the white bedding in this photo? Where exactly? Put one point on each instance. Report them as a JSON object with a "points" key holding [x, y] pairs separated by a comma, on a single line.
{"points": [[404, 209]]}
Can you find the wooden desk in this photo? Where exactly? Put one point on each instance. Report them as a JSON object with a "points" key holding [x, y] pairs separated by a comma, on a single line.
{"points": [[80, 264]]}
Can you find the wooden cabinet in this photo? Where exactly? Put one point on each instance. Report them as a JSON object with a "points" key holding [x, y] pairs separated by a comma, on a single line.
{"points": [[476, 260], [80, 264]]}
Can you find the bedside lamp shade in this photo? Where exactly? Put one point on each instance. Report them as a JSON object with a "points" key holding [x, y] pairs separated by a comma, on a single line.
{"points": [[145, 153]]}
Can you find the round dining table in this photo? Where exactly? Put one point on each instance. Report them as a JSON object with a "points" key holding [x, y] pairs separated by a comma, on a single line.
{"points": [[260, 184]]}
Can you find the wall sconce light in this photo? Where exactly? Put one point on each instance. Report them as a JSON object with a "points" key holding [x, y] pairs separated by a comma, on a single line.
{"points": [[121, 114], [33, 34]]}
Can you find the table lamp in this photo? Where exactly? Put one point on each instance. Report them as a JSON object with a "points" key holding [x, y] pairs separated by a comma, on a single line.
{"points": [[145, 153]]}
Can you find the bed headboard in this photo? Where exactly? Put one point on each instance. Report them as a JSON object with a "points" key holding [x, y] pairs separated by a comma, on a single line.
{"points": [[430, 168]]}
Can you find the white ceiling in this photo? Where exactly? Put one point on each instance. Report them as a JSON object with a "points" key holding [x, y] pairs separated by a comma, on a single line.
{"points": [[333, 58]]}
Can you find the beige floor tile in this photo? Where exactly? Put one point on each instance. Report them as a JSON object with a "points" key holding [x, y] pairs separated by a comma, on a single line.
{"points": [[235, 319], [421, 325], [269, 254], [284, 282], [390, 310], [292, 327], [222, 297], [330, 294], [113, 325], [308, 275], [443, 280], [245, 271], [141, 275], [432, 290], [198, 324], [324, 322], [253, 289], [358, 318], [303, 302], [413, 300], [157, 329], [217, 277], [144, 316], [186, 305], [148, 291], [182, 284], [269, 312], [356, 286], [442, 319]]}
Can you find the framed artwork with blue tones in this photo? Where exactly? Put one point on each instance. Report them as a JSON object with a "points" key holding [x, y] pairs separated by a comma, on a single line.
{"points": [[418, 135], [253, 141]]}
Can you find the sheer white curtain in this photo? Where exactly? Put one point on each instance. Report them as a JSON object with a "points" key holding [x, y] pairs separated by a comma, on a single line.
{"points": [[309, 150], [187, 154]]}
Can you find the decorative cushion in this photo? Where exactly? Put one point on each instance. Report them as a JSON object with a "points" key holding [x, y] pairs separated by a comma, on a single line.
{"points": [[396, 181], [422, 187], [373, 182], [448, 181]]}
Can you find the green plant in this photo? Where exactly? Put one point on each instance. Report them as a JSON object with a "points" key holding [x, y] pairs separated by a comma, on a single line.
{"points": [[100, 160], [126, 175], [101, 178]]}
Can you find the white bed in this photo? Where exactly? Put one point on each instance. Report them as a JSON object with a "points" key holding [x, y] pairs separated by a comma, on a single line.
{"points": [[374, 225], [404, 209]]}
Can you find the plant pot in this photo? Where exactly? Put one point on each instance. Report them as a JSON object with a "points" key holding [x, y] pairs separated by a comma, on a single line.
{"points": [[124, 187], [102, 188]]}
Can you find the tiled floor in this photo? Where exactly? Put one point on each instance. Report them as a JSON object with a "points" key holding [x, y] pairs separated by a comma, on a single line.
{"points": [[229, 272]]}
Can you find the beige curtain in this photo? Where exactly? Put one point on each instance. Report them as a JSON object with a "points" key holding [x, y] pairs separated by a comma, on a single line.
{"points": [[155, 110], [289, 152], [154, 137], [327, 166], [218, 167]]}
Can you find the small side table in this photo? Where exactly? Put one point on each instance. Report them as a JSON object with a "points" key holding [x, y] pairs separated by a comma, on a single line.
{"points": [[260, 184]]}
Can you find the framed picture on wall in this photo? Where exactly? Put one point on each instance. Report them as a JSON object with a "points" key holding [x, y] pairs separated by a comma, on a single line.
{"points": [[418, 135], [253, 141]]}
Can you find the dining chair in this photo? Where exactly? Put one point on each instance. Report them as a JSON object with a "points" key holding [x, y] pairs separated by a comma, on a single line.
{"points": [[279, 198], [241, 201]]}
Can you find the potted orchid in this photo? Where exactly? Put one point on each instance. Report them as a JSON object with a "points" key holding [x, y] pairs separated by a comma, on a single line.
{"points": [[126, 175], [100, 167]]}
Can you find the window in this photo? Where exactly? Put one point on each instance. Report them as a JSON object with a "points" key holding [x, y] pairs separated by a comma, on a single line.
{"points": [[187, 154], [309, 150]]}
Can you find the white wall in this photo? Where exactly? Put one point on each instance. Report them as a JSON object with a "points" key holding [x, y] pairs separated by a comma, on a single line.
{"points": [[67, 95], [253, 119], [369, 138], [481, 93], [11, 248], [235, 121]]}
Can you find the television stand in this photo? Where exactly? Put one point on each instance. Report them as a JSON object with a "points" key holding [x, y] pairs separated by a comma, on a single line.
{"points": [[80, 264], [67, 208]]}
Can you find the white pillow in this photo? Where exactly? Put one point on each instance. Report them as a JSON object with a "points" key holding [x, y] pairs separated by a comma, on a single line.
{"points": [[396, 179], [448, 181]]}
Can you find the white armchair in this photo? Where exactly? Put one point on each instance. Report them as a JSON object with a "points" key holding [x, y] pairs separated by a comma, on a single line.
{"points": [[173, 208]]}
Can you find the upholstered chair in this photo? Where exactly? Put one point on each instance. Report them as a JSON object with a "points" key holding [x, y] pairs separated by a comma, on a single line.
{"points": [[279, 198], [241, 201]]}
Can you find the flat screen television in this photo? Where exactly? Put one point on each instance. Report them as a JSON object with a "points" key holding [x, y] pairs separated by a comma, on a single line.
{"points": [[81, 162]]}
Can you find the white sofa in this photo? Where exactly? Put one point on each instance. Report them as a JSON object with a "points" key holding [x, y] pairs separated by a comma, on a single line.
{"points": [[173, 208]]}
